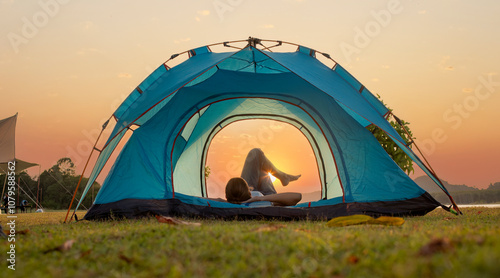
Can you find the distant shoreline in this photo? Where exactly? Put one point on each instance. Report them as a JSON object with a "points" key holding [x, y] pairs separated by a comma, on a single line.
{"points": [[497, 205]]}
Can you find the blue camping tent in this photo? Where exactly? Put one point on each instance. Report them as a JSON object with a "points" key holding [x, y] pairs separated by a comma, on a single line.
{"points": [[175, 112]]}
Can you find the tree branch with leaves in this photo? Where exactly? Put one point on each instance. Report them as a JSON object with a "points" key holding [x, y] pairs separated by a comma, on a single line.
{"points": [[395, 152]]}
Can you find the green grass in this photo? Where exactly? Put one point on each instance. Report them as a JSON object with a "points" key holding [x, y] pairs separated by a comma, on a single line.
{"points": [[470, 247]]}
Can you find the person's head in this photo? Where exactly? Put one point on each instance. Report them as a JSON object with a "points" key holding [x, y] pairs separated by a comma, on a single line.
{"points": [[237, 191]]}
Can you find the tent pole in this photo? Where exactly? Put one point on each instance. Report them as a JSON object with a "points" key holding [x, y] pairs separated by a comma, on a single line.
{"points": [[84, 168], [455, 206], [416, 146]]}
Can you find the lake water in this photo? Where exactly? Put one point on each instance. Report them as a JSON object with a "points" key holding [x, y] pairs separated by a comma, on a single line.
{"points": [[479, 205]]}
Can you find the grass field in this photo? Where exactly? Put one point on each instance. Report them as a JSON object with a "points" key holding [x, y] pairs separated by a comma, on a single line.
{"points": [[436, 245]]}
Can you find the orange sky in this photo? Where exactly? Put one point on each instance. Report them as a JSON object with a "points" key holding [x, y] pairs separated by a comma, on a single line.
{"points": [[283, 144], [66, 65]]}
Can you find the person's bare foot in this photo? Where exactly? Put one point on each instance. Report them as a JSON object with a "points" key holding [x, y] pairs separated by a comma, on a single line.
{"points": [[286, 179]]}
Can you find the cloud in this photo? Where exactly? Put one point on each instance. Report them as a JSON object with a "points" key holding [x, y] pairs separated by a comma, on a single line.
{"points": [[444, 59], [204, 12], [267, 26], [277, 126], [422, 12], [86, 25], [445, 65], [85, 51], [182, 40], [467, 90], [124, 75], [201, 13]]}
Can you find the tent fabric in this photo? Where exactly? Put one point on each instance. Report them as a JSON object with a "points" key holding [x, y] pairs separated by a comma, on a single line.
{"points": [[178, 112], [146, 100], [8, 146], [20, 166], [8, 139], [101, 161], [152, 93]]}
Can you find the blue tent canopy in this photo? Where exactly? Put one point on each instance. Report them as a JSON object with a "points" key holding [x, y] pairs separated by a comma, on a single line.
{"points": [[177, 111]]}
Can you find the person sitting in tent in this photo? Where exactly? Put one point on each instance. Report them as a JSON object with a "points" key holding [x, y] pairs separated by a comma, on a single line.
{"points": [[255, 176], [256, 172], [238, 192]]}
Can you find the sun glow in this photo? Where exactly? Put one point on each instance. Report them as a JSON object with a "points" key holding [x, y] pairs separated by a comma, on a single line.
{"points": [[273, 178]]}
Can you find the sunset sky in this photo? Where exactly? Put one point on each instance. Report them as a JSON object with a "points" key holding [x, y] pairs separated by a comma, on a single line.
{"points": [[66, 65]]}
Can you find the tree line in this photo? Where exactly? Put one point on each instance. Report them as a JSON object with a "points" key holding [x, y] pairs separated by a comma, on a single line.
{"points": [[490, 195], [54, 188]]}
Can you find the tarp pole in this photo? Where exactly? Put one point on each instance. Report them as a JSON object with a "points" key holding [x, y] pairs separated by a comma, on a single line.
{"points": [[4, 183], [26, 193], [18, 191], [38, 187], [84, 168]]}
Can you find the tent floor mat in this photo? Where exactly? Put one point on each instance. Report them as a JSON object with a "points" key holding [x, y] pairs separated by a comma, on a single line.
{"points": [[137, 208]]}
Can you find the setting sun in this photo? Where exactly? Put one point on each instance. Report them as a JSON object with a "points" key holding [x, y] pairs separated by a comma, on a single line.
{"points": [[273, 178]]}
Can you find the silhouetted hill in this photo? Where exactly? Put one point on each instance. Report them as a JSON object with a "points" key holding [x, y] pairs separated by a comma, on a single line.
{"points": [[462, 194], [430, 186]]}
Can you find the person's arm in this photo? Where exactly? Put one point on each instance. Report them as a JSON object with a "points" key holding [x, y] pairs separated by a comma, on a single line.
{"points": [[280, 199], [216, 199]]}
